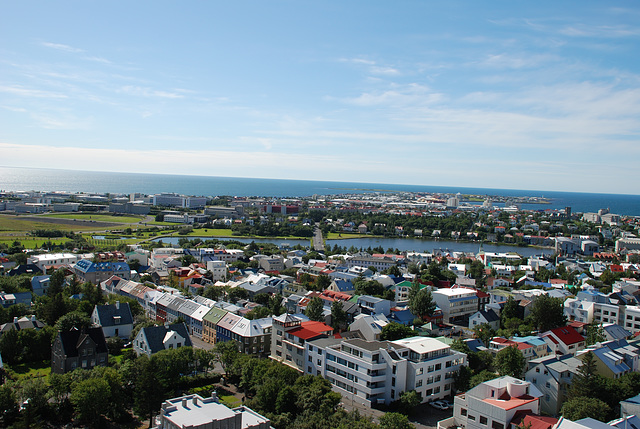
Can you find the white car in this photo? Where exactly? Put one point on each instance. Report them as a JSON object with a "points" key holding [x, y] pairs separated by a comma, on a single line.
{"points": [[439, 405]]}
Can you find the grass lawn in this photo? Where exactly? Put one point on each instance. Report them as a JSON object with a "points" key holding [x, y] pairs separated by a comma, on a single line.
{"points": [[231, 401], [9, 223], [97, 217], [40, 369], [31, 242], [344, 235]]}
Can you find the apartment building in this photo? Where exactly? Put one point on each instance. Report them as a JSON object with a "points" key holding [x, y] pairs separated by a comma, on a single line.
{"points": [[456, 303], [290, 334], [376, 372]]}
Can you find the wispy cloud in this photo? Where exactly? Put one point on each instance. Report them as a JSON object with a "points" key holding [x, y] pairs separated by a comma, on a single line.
{"points": [[140, 91], [29, 92], [61, 47]]}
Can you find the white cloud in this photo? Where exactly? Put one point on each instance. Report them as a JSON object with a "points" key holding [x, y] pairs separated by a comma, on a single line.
{"points": [[61, 47], [140, 91], [28, 92]]}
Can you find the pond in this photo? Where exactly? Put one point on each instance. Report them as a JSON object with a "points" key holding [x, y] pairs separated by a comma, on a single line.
{"points": [[402, 244]]}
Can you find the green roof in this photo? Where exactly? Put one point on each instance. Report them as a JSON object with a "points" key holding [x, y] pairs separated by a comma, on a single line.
{"points": [[214, 315]]}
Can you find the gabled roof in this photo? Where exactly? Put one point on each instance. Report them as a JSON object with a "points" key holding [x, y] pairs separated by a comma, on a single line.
{"points": [[567, 335], [73, 338], [155, 335], [108, 313]]}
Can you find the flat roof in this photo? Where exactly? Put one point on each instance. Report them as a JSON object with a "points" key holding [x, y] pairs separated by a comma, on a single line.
{"points": [[421, 344]]}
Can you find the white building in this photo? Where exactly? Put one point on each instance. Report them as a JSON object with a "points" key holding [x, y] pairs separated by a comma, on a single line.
{"points": [[456, 303], [379, 371], [218, 269], [49, 259], [196, 412], [493, 404]]}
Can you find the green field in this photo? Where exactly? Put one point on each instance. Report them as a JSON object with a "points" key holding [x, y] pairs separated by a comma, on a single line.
{"points": [[10, 223], [42, 369], [96, 217], [344, 235]]}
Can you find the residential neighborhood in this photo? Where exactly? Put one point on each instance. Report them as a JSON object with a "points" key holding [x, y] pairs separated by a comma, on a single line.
{"points": [[485, 338]]}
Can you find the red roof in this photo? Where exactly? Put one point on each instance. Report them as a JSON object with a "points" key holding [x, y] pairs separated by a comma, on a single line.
{"points": [[568, 335], [616, 268], [305, 334]]}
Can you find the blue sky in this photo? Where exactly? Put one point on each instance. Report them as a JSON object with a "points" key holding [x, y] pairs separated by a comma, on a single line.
{"points": [[498, 94]]}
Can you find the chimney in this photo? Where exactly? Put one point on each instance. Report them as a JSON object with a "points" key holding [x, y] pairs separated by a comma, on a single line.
{"points": [[214, 396], [117, 305], [15, 319], [195, 401], [184, 402]]}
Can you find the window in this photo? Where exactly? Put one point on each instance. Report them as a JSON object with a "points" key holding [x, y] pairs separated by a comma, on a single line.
{"points": [[419, 383], [496, 425], [463, 411], [483, 420], [470, 417]]}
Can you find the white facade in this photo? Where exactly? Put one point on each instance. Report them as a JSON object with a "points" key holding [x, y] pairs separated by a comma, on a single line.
{"points": [[218, 269], [379, 371], [494, 403], [456, 303], [53, 259]]}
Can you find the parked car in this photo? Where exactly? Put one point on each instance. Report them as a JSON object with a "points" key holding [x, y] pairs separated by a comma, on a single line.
{"points": [[439, 405]]}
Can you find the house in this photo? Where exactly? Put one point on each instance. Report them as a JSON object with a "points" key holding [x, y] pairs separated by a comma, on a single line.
{"points": [[482, 317], [630, 406], [370, 326], [40, 284], [96, 272], [153, 339], [73, 349], [564, 340], [552, 376], [196, 412], [115, 320], [22, 323], [494, 404], [209, 323], [374, 305]]}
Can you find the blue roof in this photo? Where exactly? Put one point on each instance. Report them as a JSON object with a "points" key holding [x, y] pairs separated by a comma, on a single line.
{"points": [[614, 361], [633, 400], [87, 266], [343, 285]]}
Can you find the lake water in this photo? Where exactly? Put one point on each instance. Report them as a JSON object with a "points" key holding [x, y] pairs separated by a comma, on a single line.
{"points": [[402, 244]]}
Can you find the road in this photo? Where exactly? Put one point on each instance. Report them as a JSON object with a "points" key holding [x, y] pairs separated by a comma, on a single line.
{"points": [[318, 241]]}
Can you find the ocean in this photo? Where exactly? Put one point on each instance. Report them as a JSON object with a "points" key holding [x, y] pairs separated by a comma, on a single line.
{"points": [[26, 179]]}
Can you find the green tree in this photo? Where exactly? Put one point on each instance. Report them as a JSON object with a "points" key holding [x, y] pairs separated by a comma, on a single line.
{"points": [[586, 381], [8, 405], [395, 421], [338, 315], [510, 310], [147, 398], [462, 379], [315, 308], [584, 407], [485, 333], [422, 304], [75, 319], [547, 313], [90, 400], [595, 334], [225, 353], [395, 331], [509, 361], [323, 282], [409, 400]]}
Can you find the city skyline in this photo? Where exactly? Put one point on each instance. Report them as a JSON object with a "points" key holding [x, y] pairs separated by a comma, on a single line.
{"points": [[494, 95]]}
